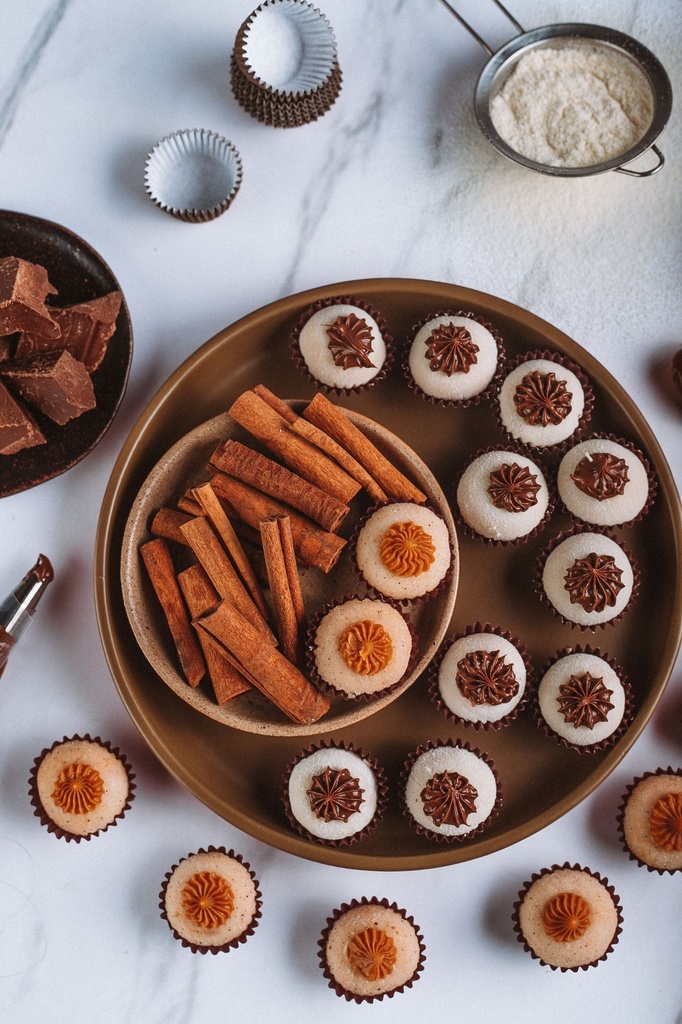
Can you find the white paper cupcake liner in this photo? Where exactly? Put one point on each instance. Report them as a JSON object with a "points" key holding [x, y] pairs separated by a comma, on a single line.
{"points": [[284, 67], [193, 174]]}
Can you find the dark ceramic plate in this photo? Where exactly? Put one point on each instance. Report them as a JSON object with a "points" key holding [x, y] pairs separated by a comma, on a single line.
{"points": [[238, 774], [79, 274]]}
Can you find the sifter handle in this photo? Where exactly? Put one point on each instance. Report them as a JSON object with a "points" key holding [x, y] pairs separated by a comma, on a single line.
{"points": [[651, 170], [472, 32]]}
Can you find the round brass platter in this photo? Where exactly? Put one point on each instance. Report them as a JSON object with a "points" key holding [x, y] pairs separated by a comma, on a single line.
{"points": [[238, 774]]}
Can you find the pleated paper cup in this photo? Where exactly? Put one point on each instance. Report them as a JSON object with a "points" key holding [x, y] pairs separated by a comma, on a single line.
{"points": [[193, 174], [284, 68]]}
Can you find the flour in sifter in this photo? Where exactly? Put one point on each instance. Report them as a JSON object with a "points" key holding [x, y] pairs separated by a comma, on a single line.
{"points": [[572, 107]]}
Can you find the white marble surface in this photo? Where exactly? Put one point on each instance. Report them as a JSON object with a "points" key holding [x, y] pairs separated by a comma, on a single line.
{"points": [[394, 181]]}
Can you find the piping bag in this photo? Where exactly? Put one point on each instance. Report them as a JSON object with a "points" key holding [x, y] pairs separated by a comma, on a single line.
{"points": [[18, 608]]}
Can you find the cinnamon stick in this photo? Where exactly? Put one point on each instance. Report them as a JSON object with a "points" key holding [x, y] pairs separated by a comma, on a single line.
{"points": [[167, 522], [188, 504], [345, 459], [201, 597], [159, 566], [259, 471], [212, 556], [285, 585], [261, 420], [210, 504], [313, 545], [280, 406], [272, 673], [333, 421]]}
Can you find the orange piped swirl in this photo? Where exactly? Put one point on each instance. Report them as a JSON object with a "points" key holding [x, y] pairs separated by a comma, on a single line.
{"points": [[566, 917], [665, 822], [406, 549], [208, 900], [366, 647], [372, 954], [79, 788]]}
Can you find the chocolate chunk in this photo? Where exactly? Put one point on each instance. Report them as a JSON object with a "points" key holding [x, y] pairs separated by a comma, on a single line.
{"points": [[23, 289], [17, 428], [85, 331], [54, 382]]}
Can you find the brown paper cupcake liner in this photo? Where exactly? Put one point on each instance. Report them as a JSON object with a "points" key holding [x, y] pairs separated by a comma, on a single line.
{"points": [[39, 810], [422, 598], [434, 671], [288, 107], [322, 943], [463, 403], [588, 392], [348, 300], [548, 871], [628, 711], [438, 837], [334, 691], [653, 482], [243, 936], [620, 818], [517, 449], [177, 177], [382, 793], [546, 552]]}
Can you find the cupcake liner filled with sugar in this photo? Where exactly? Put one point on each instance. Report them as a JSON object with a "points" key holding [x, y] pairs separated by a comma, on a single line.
{"points": [[342, 345], [568, 917], [453, 358], [584, 700], [369, 949], [650, 820], [194, 175], [211, 900], [284, 68], [360, 648], [587, 578], [503, 496], [544, 400], [80, 787], [451, 790], [606, 481], [482, 677], [334, 793]]}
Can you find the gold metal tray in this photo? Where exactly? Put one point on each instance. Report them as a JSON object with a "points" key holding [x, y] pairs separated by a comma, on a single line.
{"points": [[238, 774]]}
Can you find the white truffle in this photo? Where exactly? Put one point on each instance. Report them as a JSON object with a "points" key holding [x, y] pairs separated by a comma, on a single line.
{"points": [[462, 384]]}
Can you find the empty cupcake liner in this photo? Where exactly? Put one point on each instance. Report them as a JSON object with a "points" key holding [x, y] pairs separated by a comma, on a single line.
{"points": [[284, 69], [193, 174]]}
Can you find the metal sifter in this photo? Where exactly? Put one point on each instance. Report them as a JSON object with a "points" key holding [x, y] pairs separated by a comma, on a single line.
{"points": [[617, 47]]}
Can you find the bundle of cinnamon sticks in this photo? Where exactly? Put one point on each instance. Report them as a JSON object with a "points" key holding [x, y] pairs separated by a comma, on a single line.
{"points": [[283, 511]]}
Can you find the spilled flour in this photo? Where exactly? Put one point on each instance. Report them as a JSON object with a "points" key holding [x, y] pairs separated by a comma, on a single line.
{"points": [[572, 107]]}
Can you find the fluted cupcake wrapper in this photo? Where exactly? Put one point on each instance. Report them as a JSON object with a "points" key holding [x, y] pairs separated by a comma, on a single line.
{"points": [[382, 793], [463, 403], [620, 818], [193, 174], [567, 867], [40, 811], [434, 672]]}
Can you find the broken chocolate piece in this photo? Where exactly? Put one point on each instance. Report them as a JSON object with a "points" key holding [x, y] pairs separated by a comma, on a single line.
{"points": [[85, 330], [23, 289], [54, 382], [17, 428]]}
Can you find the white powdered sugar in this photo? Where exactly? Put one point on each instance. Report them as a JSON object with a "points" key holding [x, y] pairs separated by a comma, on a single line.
{"points": [[572, 107]]}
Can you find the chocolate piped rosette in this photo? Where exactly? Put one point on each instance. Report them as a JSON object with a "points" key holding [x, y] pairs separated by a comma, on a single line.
{"points": [[211, 900], [587, 578], [81, 786], [453, 358], [342, 345], [481, 677], [650, 820], [503, 496], [451, 790], [584, 699], [402, 551], [334, 793], [606, 481], [568, 917], [543, 400], [369, 949]]}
